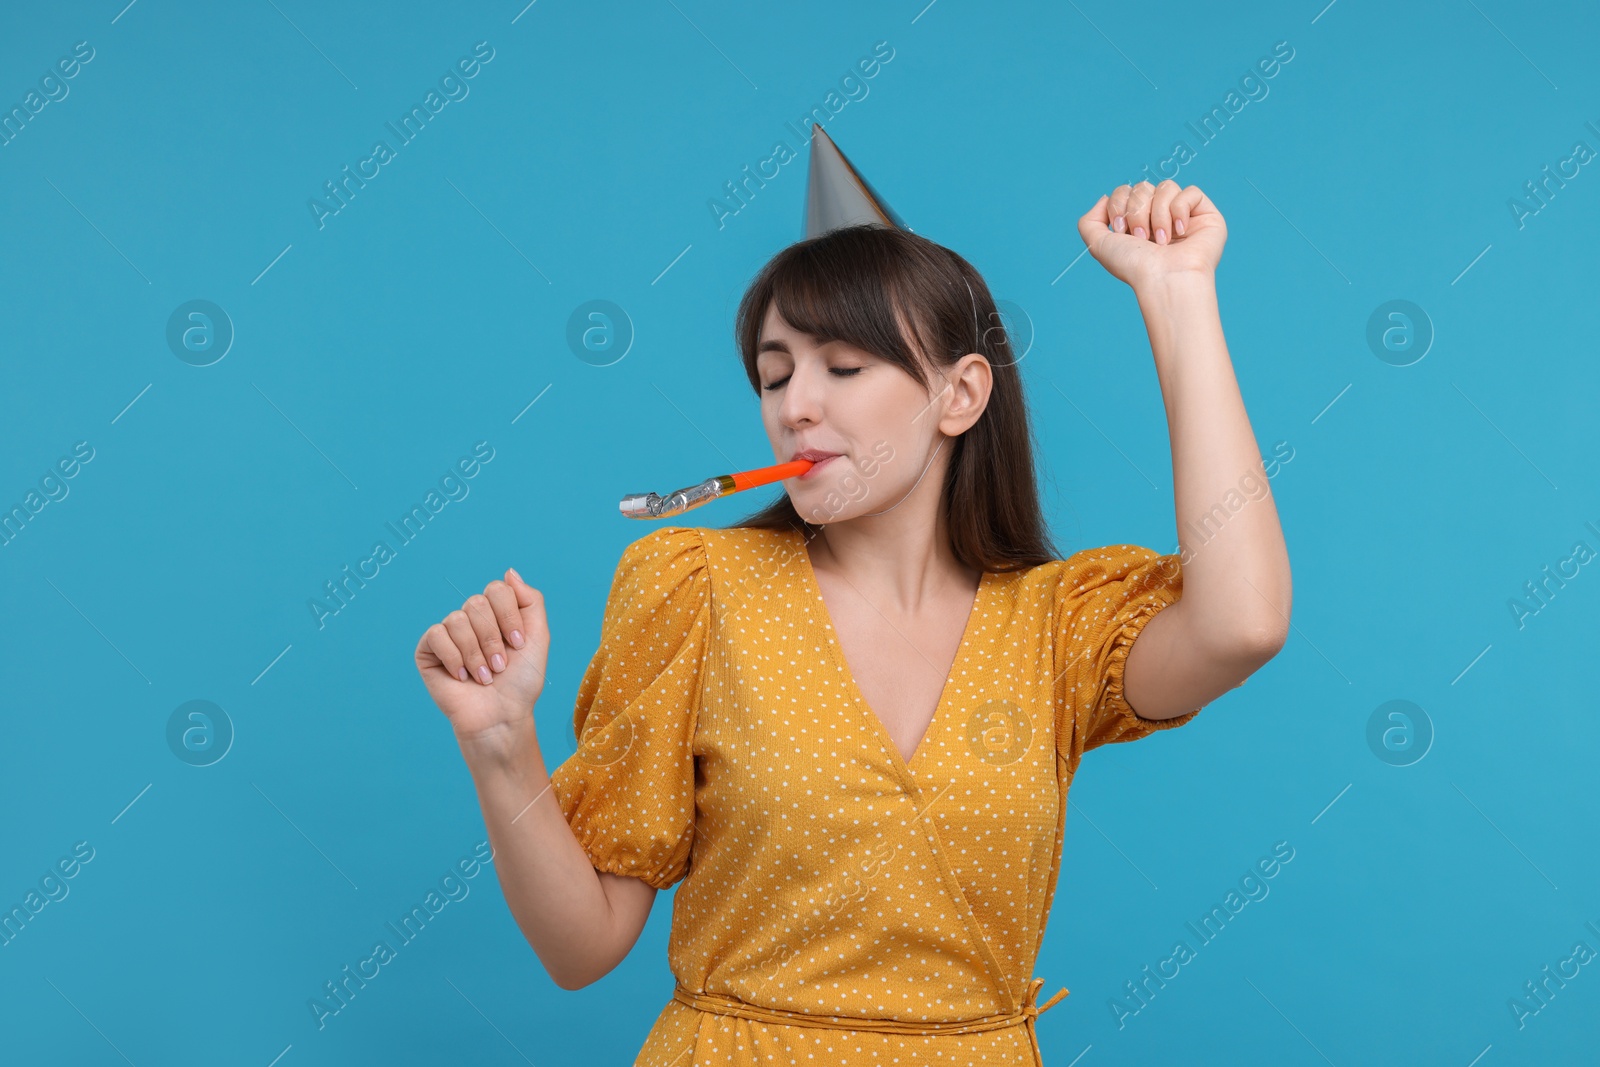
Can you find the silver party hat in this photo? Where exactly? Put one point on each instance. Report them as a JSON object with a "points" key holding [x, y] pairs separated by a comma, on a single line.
{"points": [[836, 193]]}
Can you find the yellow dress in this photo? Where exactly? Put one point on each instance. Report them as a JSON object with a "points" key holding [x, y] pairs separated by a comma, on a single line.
{"points": [[839, 905]]}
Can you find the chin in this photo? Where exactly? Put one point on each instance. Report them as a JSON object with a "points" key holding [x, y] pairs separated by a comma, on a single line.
{"points": [[814, 505]]}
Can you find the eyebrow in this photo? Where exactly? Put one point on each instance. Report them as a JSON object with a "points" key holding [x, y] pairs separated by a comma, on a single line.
{"points": [[777, 344]]}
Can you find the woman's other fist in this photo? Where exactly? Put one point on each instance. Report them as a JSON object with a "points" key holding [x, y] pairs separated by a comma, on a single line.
{"points": [[484, 663]]}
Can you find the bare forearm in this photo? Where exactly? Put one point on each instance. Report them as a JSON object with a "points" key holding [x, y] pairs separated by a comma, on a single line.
{"points": [[1236, 581], [554, 893]]}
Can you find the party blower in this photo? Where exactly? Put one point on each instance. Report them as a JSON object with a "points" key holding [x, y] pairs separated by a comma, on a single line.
{"points": [[656, 506]]}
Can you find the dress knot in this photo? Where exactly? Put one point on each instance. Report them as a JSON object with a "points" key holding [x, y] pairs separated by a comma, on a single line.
{"points": [[1030, 1005]]}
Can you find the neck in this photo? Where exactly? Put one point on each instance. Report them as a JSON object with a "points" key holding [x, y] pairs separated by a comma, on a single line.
{"points": [[898, 558]]}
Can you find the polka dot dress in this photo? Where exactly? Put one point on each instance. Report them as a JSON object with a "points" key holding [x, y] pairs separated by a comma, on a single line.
{"points": [[840, 905]]}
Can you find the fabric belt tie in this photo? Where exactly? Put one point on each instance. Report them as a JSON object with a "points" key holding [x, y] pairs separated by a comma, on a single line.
{"points": [[1030, 1010]]}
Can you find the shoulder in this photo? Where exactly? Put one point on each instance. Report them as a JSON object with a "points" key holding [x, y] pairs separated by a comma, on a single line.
{"points": [[709, 555], [663, 544], [1088, 568], [1083, 574], [723, 546], [663, 564]]}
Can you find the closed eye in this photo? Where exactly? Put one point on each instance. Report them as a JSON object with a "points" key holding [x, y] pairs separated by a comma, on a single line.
{"points": [[843, 372]]}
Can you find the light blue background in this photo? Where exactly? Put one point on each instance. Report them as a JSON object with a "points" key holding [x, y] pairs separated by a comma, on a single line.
{"points": [[432, 310]]}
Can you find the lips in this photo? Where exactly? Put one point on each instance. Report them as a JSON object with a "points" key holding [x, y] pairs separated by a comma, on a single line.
{"points": [[818, 458], [818, 465]]}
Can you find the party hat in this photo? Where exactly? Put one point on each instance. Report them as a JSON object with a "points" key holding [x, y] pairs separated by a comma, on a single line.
{"points": [[836, 193]]}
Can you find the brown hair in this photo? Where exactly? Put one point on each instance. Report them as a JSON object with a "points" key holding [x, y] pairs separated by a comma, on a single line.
{"points": [[856, 284]]}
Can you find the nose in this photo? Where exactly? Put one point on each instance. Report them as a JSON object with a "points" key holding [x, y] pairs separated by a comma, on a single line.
{"points": [[802, 398]]}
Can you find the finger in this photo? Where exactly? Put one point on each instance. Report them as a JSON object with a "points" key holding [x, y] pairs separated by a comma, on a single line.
{"points": [[461, 631], [1119, 208], [1186, 205], [1161, 210], [1138, 210], [487, 627], [436, 643], [526, 594], [508, 617], [1096, 222], [536, 628]]}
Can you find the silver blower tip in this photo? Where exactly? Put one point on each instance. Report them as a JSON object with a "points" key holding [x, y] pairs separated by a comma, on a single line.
{"points": [[656, 506], [640, 505]]}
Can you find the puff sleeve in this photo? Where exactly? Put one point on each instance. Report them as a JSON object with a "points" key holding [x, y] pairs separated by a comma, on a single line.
{"points": [[1105, 598], [628, 792]]}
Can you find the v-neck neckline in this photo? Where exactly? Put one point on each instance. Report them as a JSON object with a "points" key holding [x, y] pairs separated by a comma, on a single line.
{"points": [[853, 691]]}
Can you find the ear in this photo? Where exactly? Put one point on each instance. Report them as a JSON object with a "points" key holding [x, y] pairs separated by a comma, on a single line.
{"points": [[968, 382]]}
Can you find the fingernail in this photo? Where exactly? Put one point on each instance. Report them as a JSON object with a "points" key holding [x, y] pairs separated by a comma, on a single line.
{"points": [[498, 661], [1177, 224], [1117, 224], [1161, 237], [461, 672], [483, 674], [1138, 231], [516, 638], [513, 570]]}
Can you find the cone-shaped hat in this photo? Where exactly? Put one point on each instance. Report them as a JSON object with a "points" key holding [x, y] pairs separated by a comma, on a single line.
{"points": [[836, 193]]}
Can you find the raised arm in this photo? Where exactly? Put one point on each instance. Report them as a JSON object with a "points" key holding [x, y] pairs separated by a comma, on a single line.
{"points": [[1165, 242]]}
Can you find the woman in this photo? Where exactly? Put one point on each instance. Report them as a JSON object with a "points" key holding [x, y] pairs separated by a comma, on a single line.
{"points": [[848, 724]]}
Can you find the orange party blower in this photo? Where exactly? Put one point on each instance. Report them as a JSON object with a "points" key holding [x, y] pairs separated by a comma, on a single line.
{"points": [[656, 506]]}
